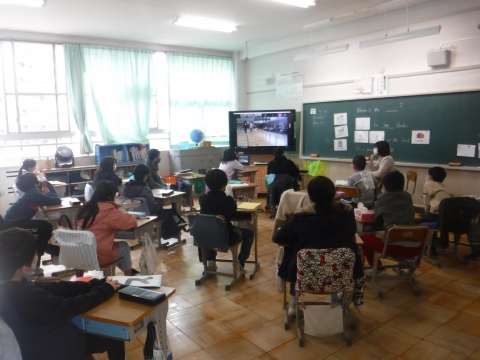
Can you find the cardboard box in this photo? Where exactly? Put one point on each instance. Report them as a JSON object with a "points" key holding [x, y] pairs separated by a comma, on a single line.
{"points": [[207, 144], [364, 214]]}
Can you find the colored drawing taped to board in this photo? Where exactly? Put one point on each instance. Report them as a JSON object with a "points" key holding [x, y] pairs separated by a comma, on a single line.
{"points": [[340, 145], [319, 120], [421, 137]]}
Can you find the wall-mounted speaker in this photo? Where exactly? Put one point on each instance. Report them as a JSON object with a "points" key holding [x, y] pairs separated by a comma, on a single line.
{"points": [[438, 58]]}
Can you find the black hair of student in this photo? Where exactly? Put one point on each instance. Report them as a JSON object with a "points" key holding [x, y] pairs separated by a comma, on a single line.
{"points": [[321, 191], [359, 162], [104, 191], [278, 152], [229, 155], [152, 154], [383, 148], [106, 167], [27, 164], [393, 181], [216, 179], [17, 249], [437, 173], [27, 181], [140, 171]]}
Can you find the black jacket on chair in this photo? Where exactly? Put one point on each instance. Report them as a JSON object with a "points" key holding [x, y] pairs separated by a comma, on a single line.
{"points": [[456, 215], [275, 190]]}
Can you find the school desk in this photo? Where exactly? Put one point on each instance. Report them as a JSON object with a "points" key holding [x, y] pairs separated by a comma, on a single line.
{"points": [[125, 320], [242, 191], [175, 198], [191, 181], [248, 174], [54, 212]]}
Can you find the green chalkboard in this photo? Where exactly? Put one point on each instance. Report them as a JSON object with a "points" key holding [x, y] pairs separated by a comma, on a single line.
{"points": [[406, 122]]}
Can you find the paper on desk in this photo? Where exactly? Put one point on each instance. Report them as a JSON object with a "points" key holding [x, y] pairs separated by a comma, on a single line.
{"points": [[466, 150], [144, 281], [248, 205]]}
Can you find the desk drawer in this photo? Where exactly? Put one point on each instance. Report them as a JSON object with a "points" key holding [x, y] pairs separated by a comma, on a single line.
{"points": [[105, 329]]}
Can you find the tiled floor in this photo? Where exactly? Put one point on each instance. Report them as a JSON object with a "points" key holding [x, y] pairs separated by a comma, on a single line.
{"points": [[206, 322]]}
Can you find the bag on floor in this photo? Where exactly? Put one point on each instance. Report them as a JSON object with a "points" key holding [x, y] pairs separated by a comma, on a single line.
{"points": [[153, 348], [279, 283], [149, 257]]}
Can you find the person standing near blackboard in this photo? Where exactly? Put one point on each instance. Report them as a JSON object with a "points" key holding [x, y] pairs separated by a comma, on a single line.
{"points": [[385, 161]]}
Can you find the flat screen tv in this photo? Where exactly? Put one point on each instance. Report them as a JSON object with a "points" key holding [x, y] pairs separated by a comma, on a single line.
{"points": [[258, 131]]}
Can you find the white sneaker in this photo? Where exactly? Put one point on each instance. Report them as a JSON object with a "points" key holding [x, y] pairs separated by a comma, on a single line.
{"points": [[292, 311], [241, 269], [211, 265], [369, 272]]}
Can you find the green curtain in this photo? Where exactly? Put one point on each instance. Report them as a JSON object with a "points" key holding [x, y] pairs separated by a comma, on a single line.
{"points": [[121, 88], [201, 92], [76, 94]]}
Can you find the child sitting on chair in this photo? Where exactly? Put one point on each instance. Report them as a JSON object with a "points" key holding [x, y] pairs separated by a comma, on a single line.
{"points": [[216, 202], [394, 207], [364, 181], [40, 313], [434, 192]]}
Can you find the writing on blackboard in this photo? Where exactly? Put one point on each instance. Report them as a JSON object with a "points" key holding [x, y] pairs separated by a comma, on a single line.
{"points": [[360, 110], [319, 120], [400, 125], [404, 140], [375, 124], [394, 140]]}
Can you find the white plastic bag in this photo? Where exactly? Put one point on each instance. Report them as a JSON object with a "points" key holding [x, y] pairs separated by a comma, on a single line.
{"points": [[149, 257], [323, 322]]}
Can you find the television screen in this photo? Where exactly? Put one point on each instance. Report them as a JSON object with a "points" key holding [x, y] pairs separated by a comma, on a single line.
{"points": [[262, 130]]}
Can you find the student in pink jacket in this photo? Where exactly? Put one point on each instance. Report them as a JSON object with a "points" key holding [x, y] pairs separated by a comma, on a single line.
{"points": [[102, 217]]}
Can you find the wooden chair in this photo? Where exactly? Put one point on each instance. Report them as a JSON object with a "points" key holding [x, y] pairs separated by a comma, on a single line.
{"points": [[402, 235], [210, 232], [411, 176], [350, 191]]}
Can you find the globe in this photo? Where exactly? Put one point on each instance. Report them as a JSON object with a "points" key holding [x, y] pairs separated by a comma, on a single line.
{"points": [[196, 136]]}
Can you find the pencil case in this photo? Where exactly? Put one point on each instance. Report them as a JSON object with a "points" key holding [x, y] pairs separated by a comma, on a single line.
{"points": [[141, 296]]}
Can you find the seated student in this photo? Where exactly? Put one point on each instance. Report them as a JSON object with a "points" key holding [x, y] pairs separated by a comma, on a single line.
{"points": [[364, 181], [20, 214], [216, 202], [139, 188], [155, 181], [230, 163], [102, 217], [321, 225], [281, 165], [28, 165], [39, 313], [393, 207], [385, 161], [106, 171], [433, 193]]}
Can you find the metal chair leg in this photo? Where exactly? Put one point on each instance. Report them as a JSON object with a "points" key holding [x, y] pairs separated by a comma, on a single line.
{"points": [[297, 322], [286, 319]]}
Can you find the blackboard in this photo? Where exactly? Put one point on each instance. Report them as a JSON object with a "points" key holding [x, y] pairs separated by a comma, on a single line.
{"points": [[451, 119]]}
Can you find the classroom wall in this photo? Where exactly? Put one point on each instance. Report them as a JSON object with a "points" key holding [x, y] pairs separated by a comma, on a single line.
{"points": [[329, 78]]}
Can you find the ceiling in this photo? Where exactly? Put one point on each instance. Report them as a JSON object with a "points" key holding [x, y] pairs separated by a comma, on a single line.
{"points": [[259, 21]]}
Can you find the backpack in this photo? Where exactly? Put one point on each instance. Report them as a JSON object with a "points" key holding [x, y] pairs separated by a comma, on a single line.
{"points": [[173, 224]]}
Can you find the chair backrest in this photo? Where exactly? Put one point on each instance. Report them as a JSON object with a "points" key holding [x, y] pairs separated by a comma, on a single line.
{"points": [[350, 191], [89, 190], [9, 348], [325, 271], [407, 236], [137, 204], [78, 249], [209, 232], [411, 177]]}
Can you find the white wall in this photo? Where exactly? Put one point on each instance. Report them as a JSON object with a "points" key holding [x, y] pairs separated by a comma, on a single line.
{"points": [[331, 77]]}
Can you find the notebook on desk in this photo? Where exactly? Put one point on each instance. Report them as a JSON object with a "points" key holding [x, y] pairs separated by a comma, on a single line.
{"points": [[248, 205]]}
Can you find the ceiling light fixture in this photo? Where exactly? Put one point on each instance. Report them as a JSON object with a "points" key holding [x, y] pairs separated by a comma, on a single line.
{"points": [[299, 3], [390, 4], [317, 24], [326, 51], [204, 24], [387, 39], [32, 3]]}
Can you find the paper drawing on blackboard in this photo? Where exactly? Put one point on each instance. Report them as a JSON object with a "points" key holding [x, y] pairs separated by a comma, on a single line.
{"points": [[340, 145], [313, 111], [340, 119], [466, 150], [361, 137], [362, 124], [376, 136], [319, 120], [421, 137], [341, 131]]}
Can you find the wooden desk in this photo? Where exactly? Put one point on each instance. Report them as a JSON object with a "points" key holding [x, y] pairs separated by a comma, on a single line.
{"points": [[240, 190], [175, 198], [144, 225], [249, 174], [190, 181], [251, 217], [125, 320], [54, 212]]}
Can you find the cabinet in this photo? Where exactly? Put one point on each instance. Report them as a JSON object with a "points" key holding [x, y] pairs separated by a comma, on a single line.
{"points": [[124, 153], [262, 170], [200, 160]]}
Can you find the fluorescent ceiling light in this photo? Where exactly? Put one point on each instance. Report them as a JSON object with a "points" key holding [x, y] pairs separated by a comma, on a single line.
{"points": [[300, 3], [434, 30], [205, 24], [390, 4], [317, 24], [326, 51], [33, 3]]}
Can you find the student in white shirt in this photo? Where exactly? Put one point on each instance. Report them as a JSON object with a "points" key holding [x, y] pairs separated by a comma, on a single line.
{"points": [[230, 163]]}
